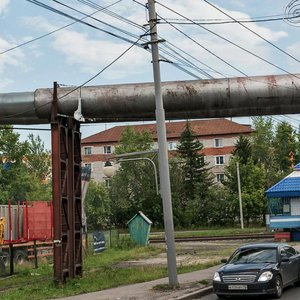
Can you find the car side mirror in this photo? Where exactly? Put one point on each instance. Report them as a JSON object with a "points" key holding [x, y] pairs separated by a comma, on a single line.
{"points": [[285, 259], [224, 260]]}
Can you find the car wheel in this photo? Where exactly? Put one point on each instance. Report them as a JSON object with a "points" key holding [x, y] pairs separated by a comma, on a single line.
{"points": [[20, 257], [5, 259], [278, 287]]}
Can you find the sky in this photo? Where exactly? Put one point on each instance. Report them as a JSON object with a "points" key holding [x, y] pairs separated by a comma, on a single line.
{"points": [[77, 52]]}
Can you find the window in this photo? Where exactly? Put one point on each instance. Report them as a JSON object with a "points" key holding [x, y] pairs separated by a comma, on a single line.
{"points": [[172, 145], [218, 143], [107, 149], [220, 177], [220, 160], [87, 150], [288, 251]]}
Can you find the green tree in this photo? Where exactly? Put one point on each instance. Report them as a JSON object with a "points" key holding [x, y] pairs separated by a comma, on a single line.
{"points": [[38, 162], [196, 174], [243, 149], [132, 141], [252, 177], [15, 180], [218, 209], [263, 150], [133, 186], [262, 141], [285, 146], [97, 206], [22, 176], [38, 158]]}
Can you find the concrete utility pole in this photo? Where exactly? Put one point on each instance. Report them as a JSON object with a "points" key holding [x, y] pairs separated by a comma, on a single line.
{"points": [[163, 151], [240, 194]]}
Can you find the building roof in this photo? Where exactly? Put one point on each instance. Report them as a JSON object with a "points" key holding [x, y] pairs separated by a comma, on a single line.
{"points": [[201, 128], [287, 187]]}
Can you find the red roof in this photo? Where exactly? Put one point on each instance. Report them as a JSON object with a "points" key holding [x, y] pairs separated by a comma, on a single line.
{"points": [[201, 128]]}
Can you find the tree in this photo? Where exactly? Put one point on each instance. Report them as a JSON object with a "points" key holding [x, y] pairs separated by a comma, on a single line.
{"points": [[262, 140], [196, 174], [133, 186], [285, 146], [15, 180], [132, 141], [21, 170], [252, 178], [38, 162], [243, 149], [97, 206], [38, 159]]}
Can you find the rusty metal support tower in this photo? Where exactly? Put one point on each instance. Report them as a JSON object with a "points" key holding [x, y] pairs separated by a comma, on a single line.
{"points": [[66, 186]]}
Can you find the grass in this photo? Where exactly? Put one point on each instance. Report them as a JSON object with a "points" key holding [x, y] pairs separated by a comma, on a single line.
{"points": [[101, 271]]}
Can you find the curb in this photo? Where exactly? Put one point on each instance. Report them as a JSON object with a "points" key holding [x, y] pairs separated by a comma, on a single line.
{"points": [[197, 294]]}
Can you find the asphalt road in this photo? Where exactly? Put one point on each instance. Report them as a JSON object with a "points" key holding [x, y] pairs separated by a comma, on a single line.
{"points": [[290, 293]]}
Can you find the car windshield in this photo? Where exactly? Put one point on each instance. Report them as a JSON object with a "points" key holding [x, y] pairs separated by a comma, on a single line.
{"points": [[253, 256]]}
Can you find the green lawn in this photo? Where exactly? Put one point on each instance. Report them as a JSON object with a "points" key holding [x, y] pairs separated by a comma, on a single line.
{"points": [[101, 271]]}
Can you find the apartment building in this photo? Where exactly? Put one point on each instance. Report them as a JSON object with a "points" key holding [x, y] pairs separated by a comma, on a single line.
{"points": [[218, 137]]}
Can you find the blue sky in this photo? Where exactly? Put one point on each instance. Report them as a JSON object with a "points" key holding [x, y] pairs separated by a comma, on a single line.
{"points": [[73, 55]]}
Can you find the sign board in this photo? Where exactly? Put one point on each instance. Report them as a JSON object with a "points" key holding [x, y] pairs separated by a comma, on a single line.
{"points": [[98, 241]]}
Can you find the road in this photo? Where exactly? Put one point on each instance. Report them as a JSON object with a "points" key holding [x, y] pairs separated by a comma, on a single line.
{"points": [[290, 293]]}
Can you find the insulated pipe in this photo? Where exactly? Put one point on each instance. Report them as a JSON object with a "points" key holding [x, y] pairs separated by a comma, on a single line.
{"points": [[228, 97]]}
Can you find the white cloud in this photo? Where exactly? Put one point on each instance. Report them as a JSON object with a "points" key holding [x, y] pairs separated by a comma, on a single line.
{"points": [[3, 6], [11, 58], [89, 52]]}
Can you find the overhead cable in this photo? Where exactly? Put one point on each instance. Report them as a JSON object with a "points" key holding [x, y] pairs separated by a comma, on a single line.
{"points": [[79, 20], [229, 41], [221, 22], [203, 47], [252, 31], [54, 31], [80, 86]]}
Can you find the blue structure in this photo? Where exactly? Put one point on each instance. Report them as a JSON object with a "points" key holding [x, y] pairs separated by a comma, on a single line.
{"points": [[283, 200]]}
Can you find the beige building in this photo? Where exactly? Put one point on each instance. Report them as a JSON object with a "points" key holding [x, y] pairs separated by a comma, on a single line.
{"points": [[218, 137]]}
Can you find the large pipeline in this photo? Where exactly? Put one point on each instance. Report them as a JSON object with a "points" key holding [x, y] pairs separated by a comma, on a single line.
{"points": [[229, 97]]}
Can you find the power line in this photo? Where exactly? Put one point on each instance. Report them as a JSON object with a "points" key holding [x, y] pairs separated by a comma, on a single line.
{"points": [[203, 47], [95, 19], [111, 13], [26, 128], [80, 86], [54, 31], [194, 58], [78, 20], [227, 40], [221, 22], [252, 31], [181, 59], [117, 36]]}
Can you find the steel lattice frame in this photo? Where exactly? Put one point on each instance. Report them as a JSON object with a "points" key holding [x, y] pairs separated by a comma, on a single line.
{"points": [[66, 185]]}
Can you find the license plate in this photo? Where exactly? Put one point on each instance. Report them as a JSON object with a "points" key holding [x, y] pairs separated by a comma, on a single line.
{"points": [[240, 287]]}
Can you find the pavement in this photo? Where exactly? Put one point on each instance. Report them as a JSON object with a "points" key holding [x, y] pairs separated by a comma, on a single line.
{"points": [[192, 285]]}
